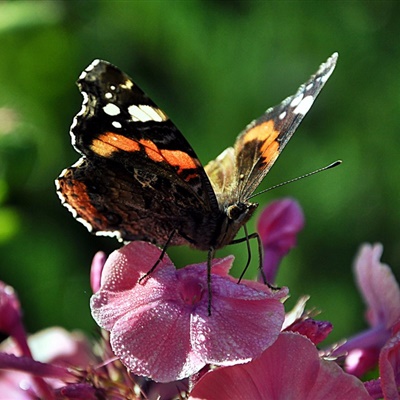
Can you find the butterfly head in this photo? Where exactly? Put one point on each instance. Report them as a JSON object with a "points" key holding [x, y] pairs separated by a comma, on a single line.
{"points": [[240, 212], [236, 215]]}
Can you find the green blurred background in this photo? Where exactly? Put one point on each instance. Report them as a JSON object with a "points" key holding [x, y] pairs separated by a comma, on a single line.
{"points": [[213, 66]]}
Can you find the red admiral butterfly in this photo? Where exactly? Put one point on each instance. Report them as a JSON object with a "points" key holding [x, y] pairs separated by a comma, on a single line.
{"points": [[139, 178]]}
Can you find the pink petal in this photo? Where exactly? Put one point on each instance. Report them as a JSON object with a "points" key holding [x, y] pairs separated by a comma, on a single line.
{"points": [[161, 329], [222, 266], [83, 391], [278, 227], [57, 346], [150, 327], [280, 220], [121, 293], [382, 296], [363, 350], [389, 367], [96, 270], [10, 309], [374, 389], [11, 317], [244, 322], [316, 331], [378, 286], [289, 369], [156, 345], [359, 361], [54, 350], [36, 368]]}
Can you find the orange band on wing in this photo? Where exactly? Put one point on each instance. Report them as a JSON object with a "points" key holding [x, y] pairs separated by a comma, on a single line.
{"points": [[179, 159], [108, 143], [76, 194], [175, 158], [266, 134], [152, 150]]}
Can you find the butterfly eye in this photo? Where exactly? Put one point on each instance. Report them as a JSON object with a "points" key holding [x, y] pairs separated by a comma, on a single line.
{"points": [[236, 211]]}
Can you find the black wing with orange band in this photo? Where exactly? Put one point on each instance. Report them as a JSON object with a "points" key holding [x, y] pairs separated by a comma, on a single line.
{"points": [[138, 177], [258, 147]]}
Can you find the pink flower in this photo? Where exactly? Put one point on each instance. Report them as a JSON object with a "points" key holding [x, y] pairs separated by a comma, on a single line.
{"points": [[53, 350], [389, 367], [301, 321], [289, 369], [54, 364], [316, 331], [388, 385], [381, 293], [11, 317], [11, 324], [161, 329], [278, 227]]}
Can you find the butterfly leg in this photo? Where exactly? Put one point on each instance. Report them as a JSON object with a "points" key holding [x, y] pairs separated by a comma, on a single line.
{"points": [[164, 250], [210, 257], [246, 239]]}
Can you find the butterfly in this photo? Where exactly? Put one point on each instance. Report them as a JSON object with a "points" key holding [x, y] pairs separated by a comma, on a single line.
{"points": [[138, 178]]}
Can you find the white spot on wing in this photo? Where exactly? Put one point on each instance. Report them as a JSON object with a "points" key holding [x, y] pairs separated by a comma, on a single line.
{"points": [[152, 113], [82, 75], [108, 95], [111, 109], [296, 101], [304, 105], [116, 124], [138, 114], [127, 85], [92, 65], [144, 113], [282, 115]]}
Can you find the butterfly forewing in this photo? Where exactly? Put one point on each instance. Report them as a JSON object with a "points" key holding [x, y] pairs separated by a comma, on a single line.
{"points": [[260, 144], [138, 178]]}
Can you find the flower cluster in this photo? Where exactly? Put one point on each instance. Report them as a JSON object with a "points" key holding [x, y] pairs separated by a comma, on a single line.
{"points": [[159, 340]]}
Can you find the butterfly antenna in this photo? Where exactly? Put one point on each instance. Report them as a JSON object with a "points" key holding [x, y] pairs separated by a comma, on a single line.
{"points": [[332, 165]]}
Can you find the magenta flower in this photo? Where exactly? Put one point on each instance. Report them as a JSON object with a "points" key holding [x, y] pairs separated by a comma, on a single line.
{"points": [[389, 367], [381, 293], [11, 324], [301, 321], [278, 227], [55, 364], [54, 350], [22, 376], [388, 384], [161, 329], [289, 369]]}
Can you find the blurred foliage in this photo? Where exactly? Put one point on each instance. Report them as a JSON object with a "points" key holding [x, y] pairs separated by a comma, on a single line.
{"points": [[213, 66]]}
